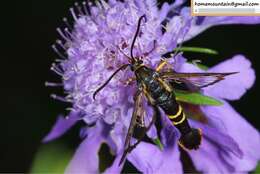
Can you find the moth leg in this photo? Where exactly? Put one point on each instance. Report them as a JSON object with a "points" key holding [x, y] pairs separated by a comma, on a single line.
{"points": [[161, 65], [148, 96], [165, 85]]}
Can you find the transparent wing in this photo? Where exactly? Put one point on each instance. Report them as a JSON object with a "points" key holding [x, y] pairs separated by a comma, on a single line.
{"points": [[137, 114], [129, 148], [199, 80]]}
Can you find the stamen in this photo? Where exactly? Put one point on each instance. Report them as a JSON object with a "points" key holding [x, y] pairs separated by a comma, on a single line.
{"points": [[58, 60], [79, 8], [56, 97], [58, 52], [63, 35], [86, 8], [70, 109], [67, 32], [59, 42], [73, 14], [164, 28], [65, 20], [56, 69], [51, 84], [104, 4], [75, 69], [195, 62]]}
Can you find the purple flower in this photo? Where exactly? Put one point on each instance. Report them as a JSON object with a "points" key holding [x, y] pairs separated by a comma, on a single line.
{"points": [[92, 48]]}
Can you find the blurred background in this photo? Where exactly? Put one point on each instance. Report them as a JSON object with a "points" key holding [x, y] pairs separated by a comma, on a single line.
{"points": [[27, 111]]}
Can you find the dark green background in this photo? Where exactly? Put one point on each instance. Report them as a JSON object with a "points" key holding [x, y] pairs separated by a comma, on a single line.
{"points": [[27, 112]]}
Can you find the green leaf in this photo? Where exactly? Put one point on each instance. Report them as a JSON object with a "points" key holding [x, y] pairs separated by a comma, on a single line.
{"points": [[51, 158], [157, 141], [196, 98], [197, 50], [257, 169]]}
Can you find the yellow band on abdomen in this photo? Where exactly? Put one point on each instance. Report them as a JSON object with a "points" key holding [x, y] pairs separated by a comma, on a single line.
{"points": [[177, 114], [182, 119]]}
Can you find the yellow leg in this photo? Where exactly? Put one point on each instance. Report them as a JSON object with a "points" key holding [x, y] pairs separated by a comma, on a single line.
{"points": [[161, 65], [165, 85], [148, 96]]}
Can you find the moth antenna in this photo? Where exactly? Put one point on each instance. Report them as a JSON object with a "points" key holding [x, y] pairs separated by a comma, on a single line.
{"points": [[136, 33], [108, 80]]}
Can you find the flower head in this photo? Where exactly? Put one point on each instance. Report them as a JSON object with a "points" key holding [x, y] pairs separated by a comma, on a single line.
{"points": [[96, 47]]}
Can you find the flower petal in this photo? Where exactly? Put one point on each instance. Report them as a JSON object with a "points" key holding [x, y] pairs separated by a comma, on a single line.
{"points": [[234, 86], [202, 23], [85, 159], [214, 151], [61, 126], [221, 140], [208, 160], [164, 11], [148, 158], [176, 29], [241, 131], [166, 161]]}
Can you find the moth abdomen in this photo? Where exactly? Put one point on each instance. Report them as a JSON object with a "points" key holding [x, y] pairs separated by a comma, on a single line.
{"points": [[190, 137], [191, 140]]}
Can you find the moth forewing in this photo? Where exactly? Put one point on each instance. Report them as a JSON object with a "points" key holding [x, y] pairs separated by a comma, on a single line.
{"points": [[200, 80], [138, 109]]}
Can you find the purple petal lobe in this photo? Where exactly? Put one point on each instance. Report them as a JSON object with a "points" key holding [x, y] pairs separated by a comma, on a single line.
{"points": [[164, 11], [221, 140], [201, 24], [179, 3], [214, 152], [207, 159], [246, 136], [61, 126], [234, 86], [179, 61], [85, 159], [148, 158]]}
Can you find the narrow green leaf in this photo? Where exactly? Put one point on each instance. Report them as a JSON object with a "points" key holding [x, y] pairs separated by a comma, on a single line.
{"points": [[157, 141], [196, 98], [197, 49]]}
